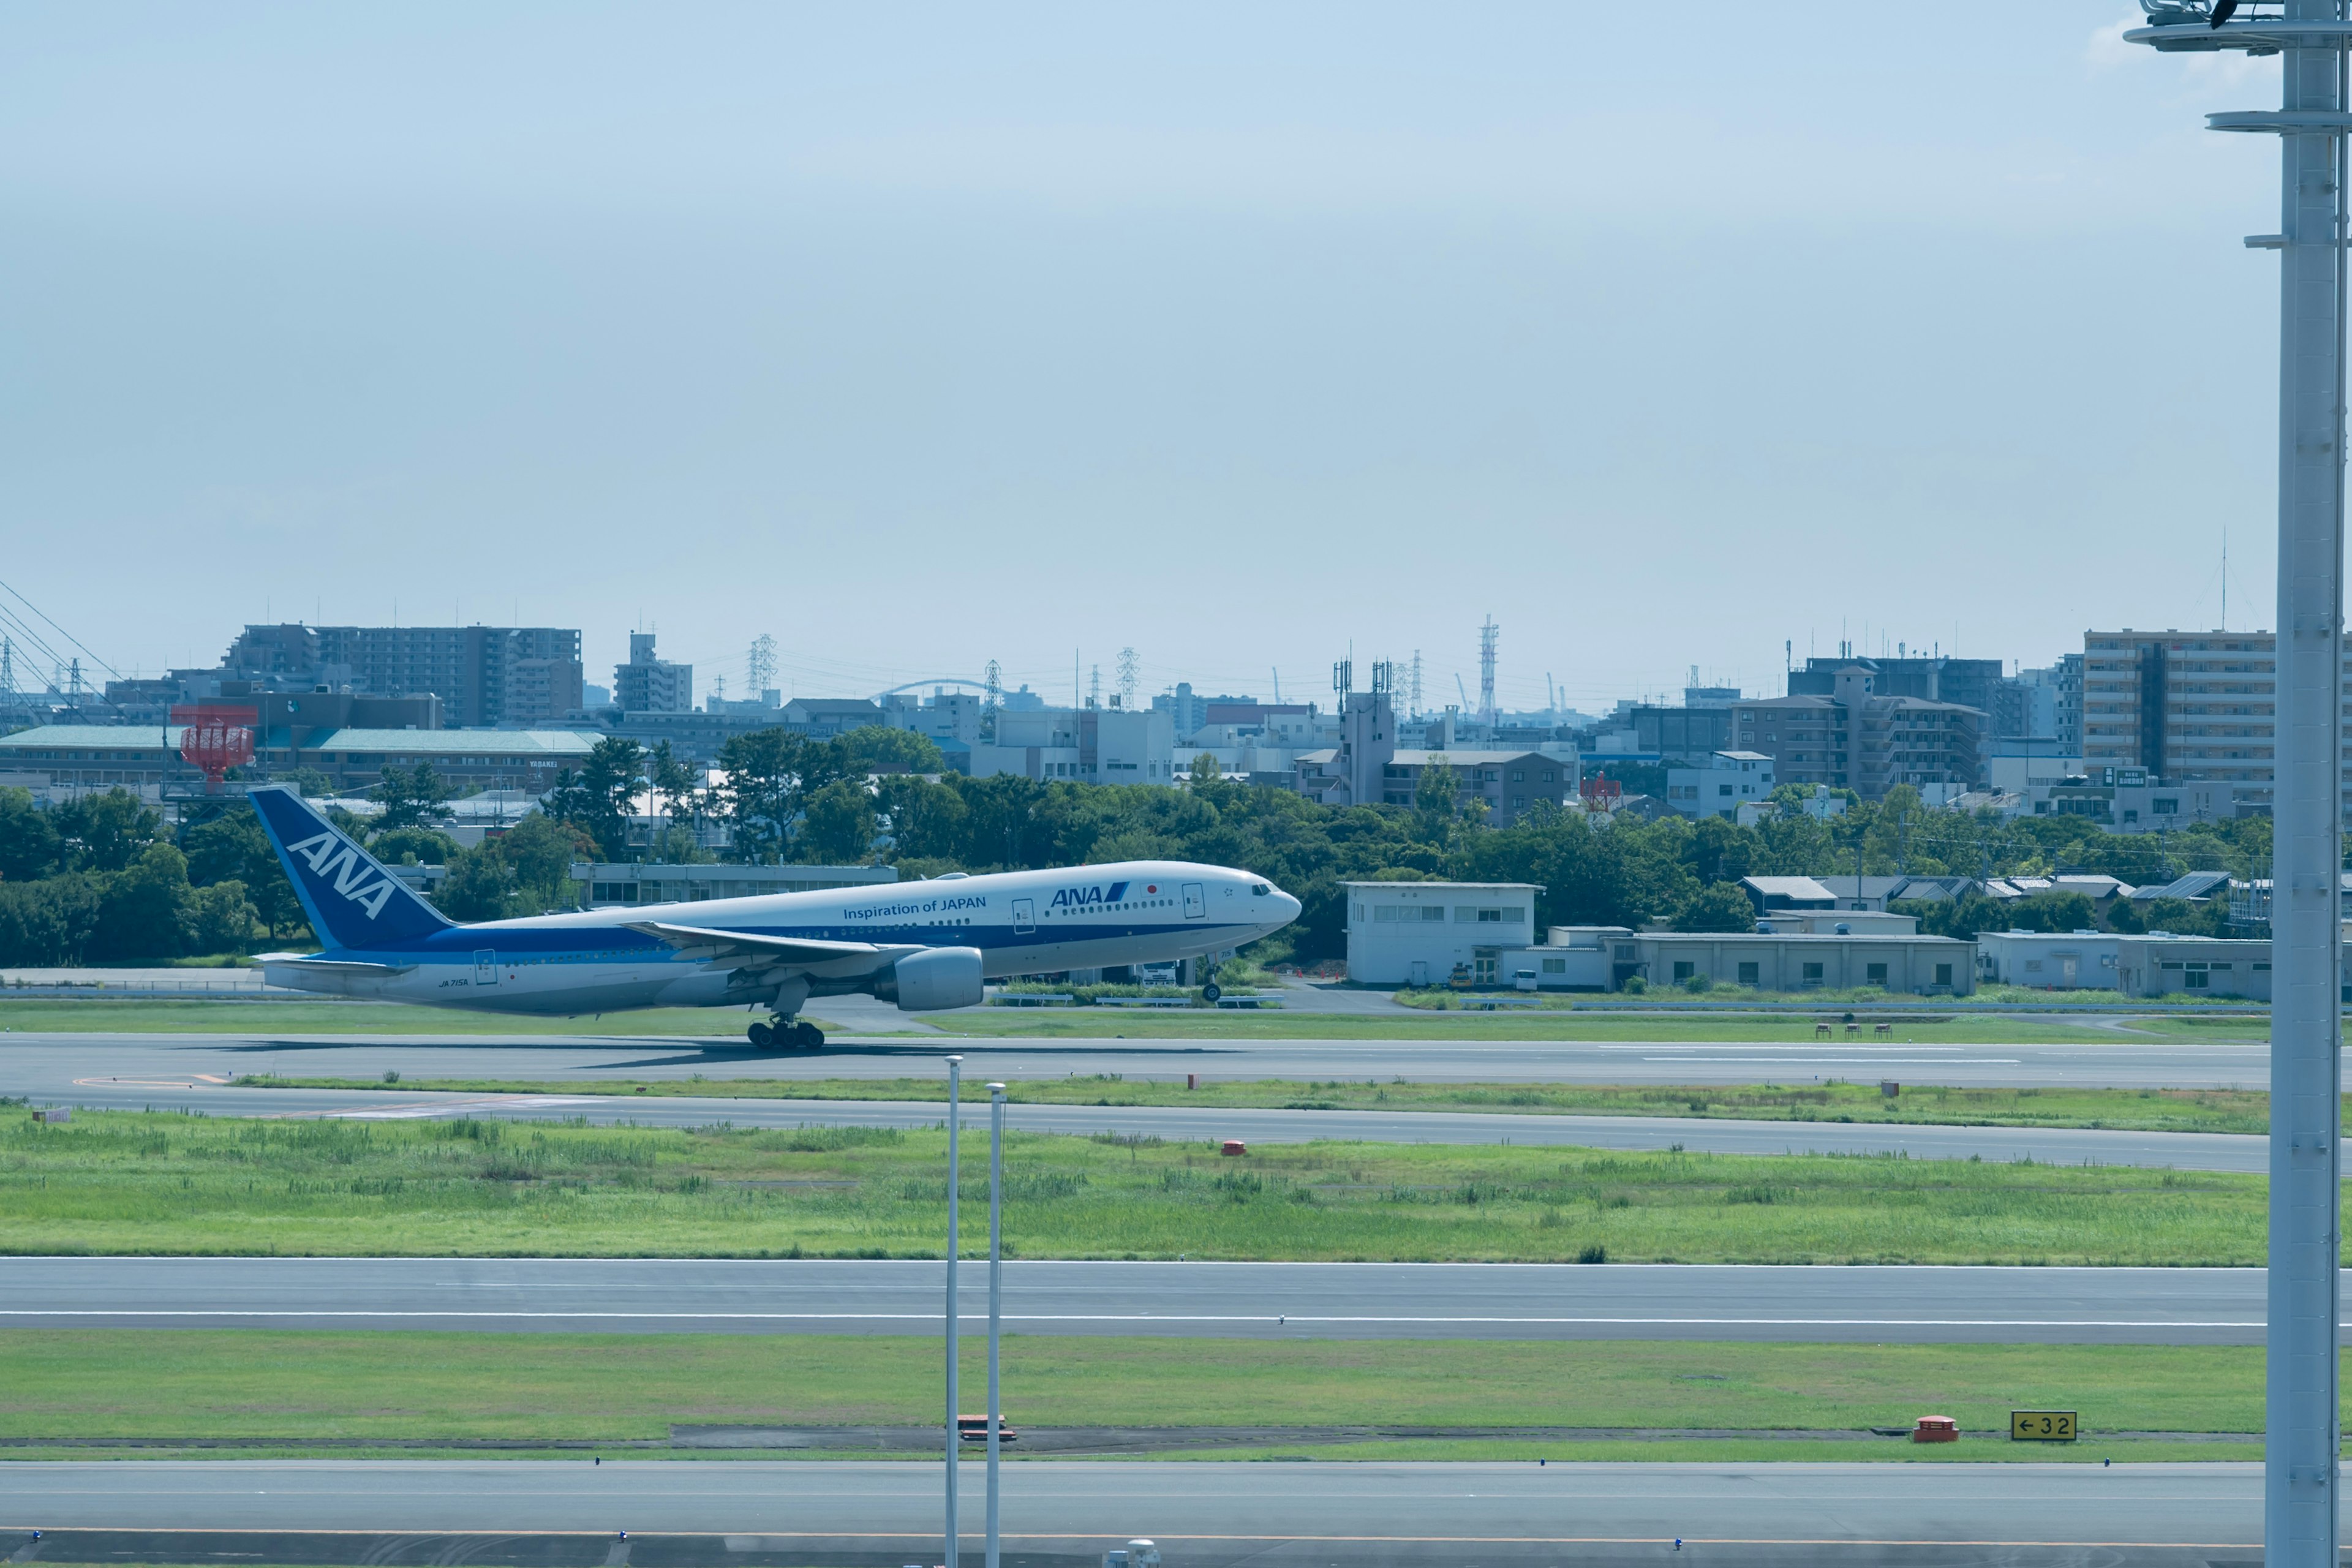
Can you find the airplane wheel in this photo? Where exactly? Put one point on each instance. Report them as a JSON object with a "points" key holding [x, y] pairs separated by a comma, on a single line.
{"points": [[808, 1037], [762, 1037], [1211, 991]]}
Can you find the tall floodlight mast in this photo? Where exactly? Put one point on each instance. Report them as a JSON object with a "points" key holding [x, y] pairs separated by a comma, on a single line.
{"points": [[2300, 1469]]}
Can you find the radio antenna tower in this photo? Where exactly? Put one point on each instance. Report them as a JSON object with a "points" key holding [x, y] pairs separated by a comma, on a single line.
{"points": [[2300, 1470], [994, 685], [759, 669], [1487, 634], [1130, 676], [1094, 685]]}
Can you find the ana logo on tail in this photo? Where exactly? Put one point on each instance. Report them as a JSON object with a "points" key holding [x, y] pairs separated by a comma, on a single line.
{"points": [[330, 855]]}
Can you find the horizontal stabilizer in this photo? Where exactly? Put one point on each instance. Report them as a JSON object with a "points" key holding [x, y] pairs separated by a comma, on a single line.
{"points": [[334, 966]]}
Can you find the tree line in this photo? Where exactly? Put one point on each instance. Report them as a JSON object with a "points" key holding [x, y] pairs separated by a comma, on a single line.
{"points": [[101, 877]]}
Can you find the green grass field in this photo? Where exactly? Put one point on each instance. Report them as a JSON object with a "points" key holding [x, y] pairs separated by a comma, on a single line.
{"points": [[169, 1182], [376, 1387], [2147, 1110], [294, 1020]]}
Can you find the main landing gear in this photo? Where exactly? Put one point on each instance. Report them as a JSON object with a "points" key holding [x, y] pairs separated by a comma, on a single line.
{"points": [[786, 1035]]}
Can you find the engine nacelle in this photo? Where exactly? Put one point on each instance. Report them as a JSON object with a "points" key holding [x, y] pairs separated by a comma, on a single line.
{"points": [[942, 978]]}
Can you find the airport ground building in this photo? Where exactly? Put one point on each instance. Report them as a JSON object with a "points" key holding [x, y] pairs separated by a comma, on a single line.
{"points": [[1483, 934], [2055, 961]]}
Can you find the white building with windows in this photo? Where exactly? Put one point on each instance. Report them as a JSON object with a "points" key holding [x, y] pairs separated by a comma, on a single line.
{"points": [[1418, 934], [2050, 960], [1728, 781]]}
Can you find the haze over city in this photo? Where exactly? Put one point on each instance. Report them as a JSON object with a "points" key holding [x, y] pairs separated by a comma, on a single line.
{"points": [[921, 338]]}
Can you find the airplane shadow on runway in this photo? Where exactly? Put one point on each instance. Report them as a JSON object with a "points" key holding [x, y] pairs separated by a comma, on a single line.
{"points": [[732, 1053]]}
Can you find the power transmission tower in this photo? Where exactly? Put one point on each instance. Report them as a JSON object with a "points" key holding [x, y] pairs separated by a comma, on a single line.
{"points": [[1486, 634], [1131, 674], [1094, 685], [1416, 707], [759, 669]]}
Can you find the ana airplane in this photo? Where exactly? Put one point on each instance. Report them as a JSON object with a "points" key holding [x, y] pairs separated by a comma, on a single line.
{"points": [[922, 945]]}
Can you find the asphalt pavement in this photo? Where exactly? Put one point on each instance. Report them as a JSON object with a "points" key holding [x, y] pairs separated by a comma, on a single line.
{"points": [[1201, 1513], [1233, 1301], [52, 1063]]}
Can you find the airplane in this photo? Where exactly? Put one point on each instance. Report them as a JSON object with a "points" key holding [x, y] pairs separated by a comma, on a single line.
{"points": [[923, 945]]}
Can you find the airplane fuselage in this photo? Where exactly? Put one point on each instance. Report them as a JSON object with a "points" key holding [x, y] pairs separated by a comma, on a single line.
{"points": [[1022, 922]]}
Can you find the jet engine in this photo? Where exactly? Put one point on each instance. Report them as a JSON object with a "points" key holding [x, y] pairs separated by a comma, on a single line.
{"points": [[940, 977]]}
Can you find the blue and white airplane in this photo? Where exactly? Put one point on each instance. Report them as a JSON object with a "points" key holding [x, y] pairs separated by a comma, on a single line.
{"points": [[923, 945]]}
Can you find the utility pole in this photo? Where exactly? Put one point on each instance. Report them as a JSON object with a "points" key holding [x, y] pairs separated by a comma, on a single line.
{"points": [[995, 1301], [955, 1426], [2301, 1436]]}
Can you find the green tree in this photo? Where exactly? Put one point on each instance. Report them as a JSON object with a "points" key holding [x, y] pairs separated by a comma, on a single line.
{"points": [[675, 785], [411, 797], [1719, 906], [763, 775], [600, 798], [1438, 795], [50, 922], [107, 832], [221, 919], [29, 840], [837, 828], [144, 910], [413, 845], [925, 819], [480, 886], [541, 852]]}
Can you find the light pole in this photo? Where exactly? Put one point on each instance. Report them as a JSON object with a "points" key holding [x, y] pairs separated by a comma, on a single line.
{"points": [[2299, 1463], [955, 1431], [995, 1295]]}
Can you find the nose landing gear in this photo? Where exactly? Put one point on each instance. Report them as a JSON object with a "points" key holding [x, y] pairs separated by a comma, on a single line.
{"points": [[785, 1035]]}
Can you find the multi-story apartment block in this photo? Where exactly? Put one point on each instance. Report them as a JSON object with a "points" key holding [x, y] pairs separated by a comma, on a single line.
{"points": [[2053, 703], [2186, 707], [1854, 738], [485, 676], [650, 684]]}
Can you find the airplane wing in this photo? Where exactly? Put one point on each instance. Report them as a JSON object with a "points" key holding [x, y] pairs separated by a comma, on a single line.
{"points": [[700, 941]]}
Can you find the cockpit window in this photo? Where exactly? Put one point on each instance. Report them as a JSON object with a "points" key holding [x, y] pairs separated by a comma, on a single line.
{"points": [[1259, 889]]}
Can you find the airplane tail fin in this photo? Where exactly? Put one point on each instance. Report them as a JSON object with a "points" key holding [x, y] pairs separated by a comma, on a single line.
{"points": [[353, 901]]}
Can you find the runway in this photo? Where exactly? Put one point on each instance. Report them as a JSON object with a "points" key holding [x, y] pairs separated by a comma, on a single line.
{"points": [[49, 1063], [1233, 1301], [1201, 1513]]}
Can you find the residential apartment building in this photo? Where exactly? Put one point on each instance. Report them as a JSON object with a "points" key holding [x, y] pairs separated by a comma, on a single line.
{"points": [[650, 684], [1508, 784], [2053, 704], [2185, 708], [515, 676], [1856, 737], [1721, 785]]}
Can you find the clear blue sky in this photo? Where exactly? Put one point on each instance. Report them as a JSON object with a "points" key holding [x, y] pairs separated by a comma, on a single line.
{"points": [[922, 335]]}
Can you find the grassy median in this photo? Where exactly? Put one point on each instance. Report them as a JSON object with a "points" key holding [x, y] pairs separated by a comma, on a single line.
{"points": [[2135, 1110], [161, 1182], [362, 1388]]}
